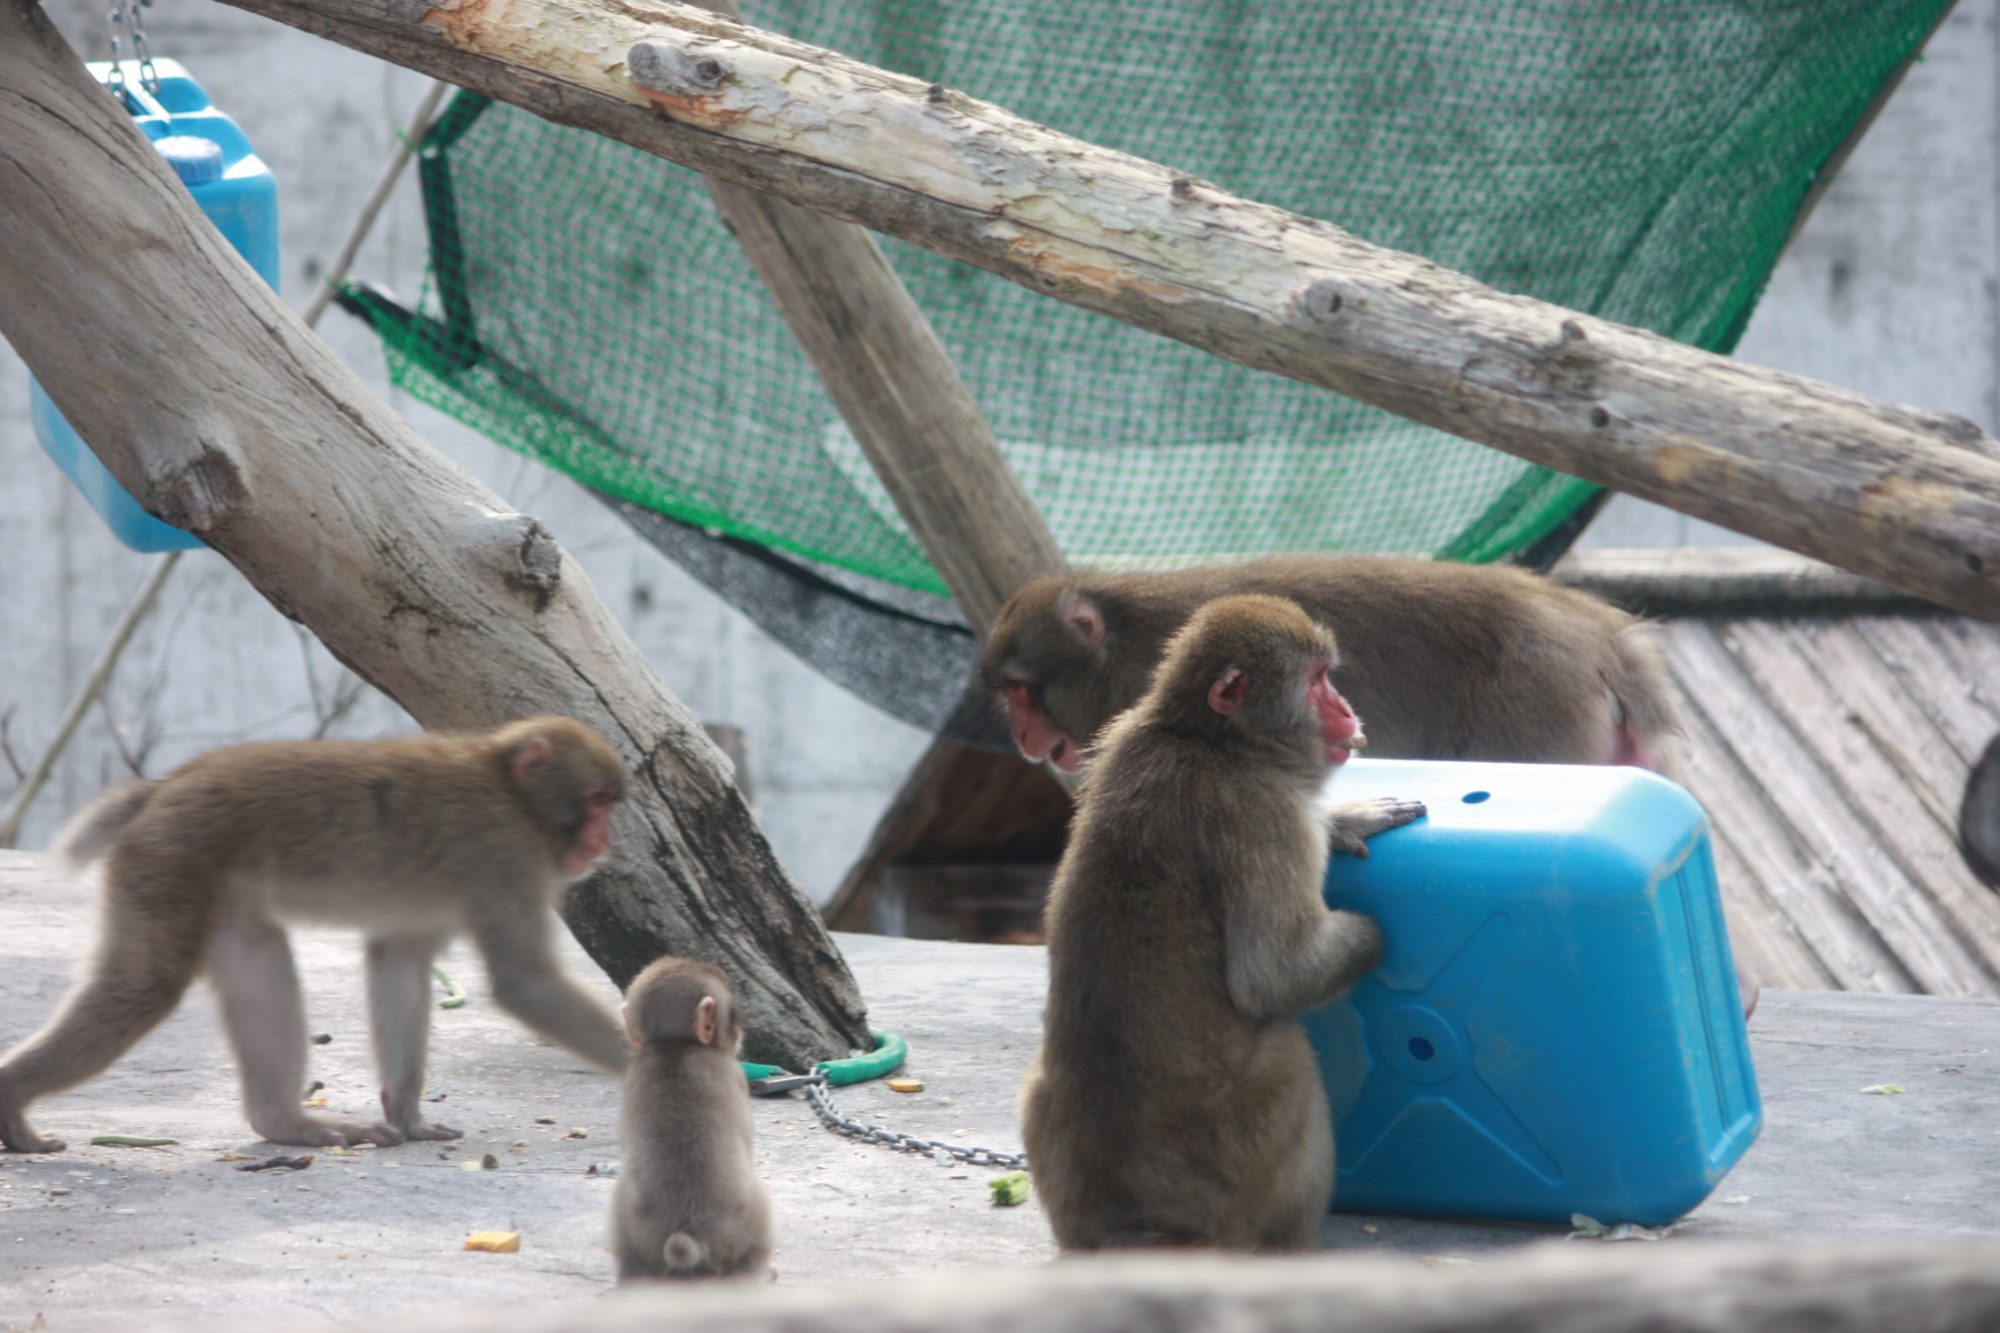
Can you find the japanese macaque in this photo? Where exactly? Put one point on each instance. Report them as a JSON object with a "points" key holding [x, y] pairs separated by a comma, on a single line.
{"points": [[1175, 1100], [1445, 661], [411, 840], [688, 1202], [1979, 817]]}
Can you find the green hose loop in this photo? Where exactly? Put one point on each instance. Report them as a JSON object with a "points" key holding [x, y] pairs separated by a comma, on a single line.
{"points": [[887, 1057]]}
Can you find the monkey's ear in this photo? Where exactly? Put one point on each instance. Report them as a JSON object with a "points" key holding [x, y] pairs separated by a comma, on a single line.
{"points": [[704, 1021], [1226, 692], [1084, 617], [531, 758]]}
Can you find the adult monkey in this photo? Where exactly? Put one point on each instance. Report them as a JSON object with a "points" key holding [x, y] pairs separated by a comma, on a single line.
{"points": [[412, 840], [1444, 660], [1175, 1099]]}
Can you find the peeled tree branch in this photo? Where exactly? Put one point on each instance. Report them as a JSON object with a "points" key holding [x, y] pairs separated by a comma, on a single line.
{"points": [[222, 413], [1908, 497]]}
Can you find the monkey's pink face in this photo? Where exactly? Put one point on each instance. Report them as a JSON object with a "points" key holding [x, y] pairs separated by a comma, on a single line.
{"points": [[1035, 734], [593, 840], [1339, 728]]}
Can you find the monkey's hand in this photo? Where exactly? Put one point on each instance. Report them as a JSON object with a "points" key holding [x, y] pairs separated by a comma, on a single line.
{"points": [[1350, 824]]}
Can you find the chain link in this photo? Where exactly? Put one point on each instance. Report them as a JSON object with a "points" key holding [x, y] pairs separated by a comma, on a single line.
{"points": [[127, 12], [944, 1154]]}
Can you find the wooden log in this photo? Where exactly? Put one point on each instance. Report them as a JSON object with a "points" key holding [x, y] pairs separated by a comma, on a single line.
{"points": [[900, 394], [1727, 581], [1680, 1286], [213, 404], [1909, 497]]}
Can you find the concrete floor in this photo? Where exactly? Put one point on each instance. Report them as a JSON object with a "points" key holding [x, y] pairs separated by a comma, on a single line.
{"points": [[103, 1237]]}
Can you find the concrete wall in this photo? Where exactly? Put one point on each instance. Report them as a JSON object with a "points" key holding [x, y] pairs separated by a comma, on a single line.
{"points": [[1890, 290]]}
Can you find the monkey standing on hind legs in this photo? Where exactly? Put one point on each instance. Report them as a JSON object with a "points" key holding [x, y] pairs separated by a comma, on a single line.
{"points": [[1175, 1099], [688, 1202], [412, 840]]}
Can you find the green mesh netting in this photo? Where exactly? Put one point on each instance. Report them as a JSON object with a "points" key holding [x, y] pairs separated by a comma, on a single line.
{"points": [[1641, 162]]}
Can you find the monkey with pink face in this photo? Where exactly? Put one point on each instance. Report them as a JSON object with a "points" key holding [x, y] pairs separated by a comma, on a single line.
{"points": [[410, 840], [1175, 1099], [1446, 661]]}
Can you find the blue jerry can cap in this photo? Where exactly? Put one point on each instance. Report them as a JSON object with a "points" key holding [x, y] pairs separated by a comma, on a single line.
{"points": [[194, 159]]}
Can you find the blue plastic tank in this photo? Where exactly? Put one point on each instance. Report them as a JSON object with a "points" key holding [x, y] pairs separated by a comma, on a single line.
{"points": [[1555, 1027], [235, 189]]}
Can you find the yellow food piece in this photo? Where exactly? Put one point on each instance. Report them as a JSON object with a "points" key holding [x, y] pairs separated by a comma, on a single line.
{"points": [[494, 1242], [906, 1085]]}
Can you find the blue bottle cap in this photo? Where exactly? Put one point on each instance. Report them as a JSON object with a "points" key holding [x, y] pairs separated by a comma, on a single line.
{"points": [[194, 159]]}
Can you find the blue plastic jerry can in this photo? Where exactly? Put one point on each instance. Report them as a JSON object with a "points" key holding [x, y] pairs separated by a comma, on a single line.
{"points": [[235, 189], [1555, 1027]]}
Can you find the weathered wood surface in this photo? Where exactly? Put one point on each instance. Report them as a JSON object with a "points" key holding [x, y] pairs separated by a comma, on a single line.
{"points": [[1909, 497], [210, 401], [958, 804], [1830, 753], [1725, 580], [900, 394]]}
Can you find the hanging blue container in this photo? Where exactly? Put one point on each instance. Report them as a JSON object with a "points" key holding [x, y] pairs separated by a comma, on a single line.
{"points": [[1555, 1027], [235, 189]]}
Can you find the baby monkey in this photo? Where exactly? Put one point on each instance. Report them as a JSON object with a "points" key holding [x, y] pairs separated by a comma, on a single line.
{"points": [[688, 1202], [1175, 1099], [411, 840]]}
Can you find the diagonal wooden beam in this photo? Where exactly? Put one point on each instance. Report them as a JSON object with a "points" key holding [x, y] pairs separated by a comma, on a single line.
{"points": [[214, 405], [1907, 497]]}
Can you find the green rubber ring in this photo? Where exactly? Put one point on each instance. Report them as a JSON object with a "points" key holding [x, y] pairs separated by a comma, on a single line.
{"points": [[887, 1057]]}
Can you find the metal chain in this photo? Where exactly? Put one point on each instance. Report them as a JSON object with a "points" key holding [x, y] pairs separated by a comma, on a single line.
{"points": [[944, 1154], [127, 12]]}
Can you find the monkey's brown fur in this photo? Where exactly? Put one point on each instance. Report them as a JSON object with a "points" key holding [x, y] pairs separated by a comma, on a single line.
{"points": [[412, 840], [1443, 661], [688, 1202], [1175, 1099]]}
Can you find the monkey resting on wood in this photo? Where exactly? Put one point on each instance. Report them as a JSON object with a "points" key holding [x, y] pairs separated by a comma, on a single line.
{"points": [[1175, 1100], [1446, 661], [411, 840], [688, 1202]]}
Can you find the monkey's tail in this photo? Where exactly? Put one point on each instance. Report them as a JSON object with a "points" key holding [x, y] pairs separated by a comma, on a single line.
{"points": [[88, 836], [1647, 722], [685, 1254]]}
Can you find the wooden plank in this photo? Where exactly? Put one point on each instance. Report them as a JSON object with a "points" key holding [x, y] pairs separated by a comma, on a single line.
{"points": [[1764, 941], [1928, 662], [1725, 580], [1926, 760], [958, 804], [1858, 870], [1871, 785], [1784, 883]]}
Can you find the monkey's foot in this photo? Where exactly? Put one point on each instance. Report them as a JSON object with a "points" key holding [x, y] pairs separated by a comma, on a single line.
{"points": [[15, 1134], [425, 1129], [325, 1131], [1352, 823]]}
